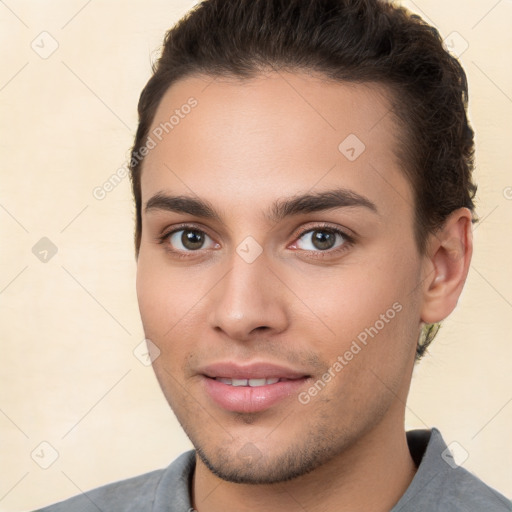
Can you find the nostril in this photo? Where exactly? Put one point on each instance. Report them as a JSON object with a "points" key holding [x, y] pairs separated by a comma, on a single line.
{"points": [[261, 328]]}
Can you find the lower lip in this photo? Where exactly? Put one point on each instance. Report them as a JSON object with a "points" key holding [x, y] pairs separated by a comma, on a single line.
{"points": [[251, 399]]}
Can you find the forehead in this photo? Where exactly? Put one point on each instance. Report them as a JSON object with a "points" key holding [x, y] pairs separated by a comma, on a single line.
{"points": [[273, 135]]}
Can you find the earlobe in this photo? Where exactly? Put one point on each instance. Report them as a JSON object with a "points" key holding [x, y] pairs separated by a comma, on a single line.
{"points": [[447, 263]]}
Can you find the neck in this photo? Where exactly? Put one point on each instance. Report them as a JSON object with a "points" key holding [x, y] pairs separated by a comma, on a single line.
{"points": [[371, 475]]}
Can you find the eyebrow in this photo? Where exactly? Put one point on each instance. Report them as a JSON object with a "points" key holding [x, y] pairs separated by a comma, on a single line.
{"points": [[319, 201], [305, 203], [182, 204]]}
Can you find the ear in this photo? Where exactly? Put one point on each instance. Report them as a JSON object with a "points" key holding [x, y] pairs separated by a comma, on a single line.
{"points": [[446, 266]]}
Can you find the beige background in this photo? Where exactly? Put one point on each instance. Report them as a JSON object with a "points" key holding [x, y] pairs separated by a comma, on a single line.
{"points": [[69, 326]]}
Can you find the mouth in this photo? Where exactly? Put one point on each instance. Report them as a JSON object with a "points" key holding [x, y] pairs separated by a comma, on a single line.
{"points": [[250, 388]]}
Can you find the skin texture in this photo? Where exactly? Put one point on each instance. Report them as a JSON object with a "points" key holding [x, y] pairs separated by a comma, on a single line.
{"points": [[246, 145]]}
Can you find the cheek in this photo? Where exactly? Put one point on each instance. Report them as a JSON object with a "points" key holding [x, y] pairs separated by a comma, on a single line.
{"points": [[165, 294], [150, 285], [163, 304], [364, 302], [172, 312]]}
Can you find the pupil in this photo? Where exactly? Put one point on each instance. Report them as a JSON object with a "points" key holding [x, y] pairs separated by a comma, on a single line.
{"points": [[192, 239], [323, 239]]}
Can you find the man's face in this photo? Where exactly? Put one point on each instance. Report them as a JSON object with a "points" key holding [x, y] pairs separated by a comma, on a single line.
{"points": [[240, 284]]}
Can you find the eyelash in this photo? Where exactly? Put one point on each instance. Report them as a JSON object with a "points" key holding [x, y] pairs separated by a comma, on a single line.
{"points": [[348, 240]]}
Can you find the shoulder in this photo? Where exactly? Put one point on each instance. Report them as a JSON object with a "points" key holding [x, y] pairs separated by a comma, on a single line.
{"points": [[137, 494], [464, 491], [441, 484], [118, 496]]}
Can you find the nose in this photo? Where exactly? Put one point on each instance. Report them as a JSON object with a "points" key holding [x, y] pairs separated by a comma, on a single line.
{"points": [[249, 300]]}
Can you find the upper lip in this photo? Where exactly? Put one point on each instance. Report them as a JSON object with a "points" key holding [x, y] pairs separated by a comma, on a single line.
{"points": [[261, 370]]}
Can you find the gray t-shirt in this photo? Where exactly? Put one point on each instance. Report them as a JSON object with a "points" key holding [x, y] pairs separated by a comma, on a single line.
{"points": [[439, 485]]}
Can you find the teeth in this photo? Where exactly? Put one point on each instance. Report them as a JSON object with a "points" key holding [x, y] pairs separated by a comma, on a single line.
{"points": [[257, 382], [253, 383]]}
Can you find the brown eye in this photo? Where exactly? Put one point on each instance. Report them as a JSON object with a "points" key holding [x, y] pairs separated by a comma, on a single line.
{"points": [[190, 240], [321, 240]]}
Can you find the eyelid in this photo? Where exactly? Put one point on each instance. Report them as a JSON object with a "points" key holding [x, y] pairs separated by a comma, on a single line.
{"points": [[169, 230]]}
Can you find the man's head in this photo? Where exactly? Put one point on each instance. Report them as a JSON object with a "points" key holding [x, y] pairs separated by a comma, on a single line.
{"points": [[355, 41], [306, 212]]}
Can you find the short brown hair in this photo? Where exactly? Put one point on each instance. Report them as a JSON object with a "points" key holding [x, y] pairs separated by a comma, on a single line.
{"points": [[348, 41]]}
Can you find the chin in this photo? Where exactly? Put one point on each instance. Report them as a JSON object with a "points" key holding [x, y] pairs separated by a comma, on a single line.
{"points": [[250, 466]]}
